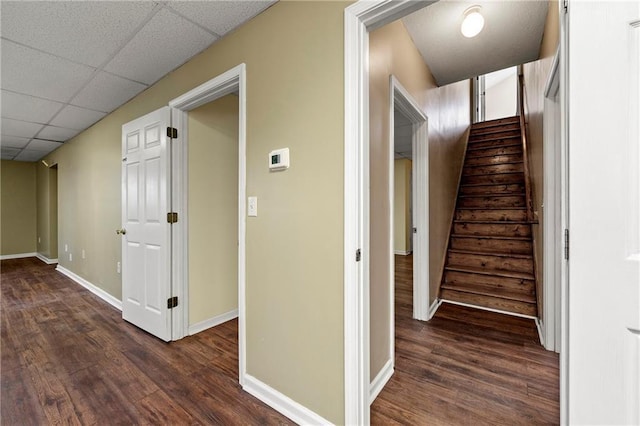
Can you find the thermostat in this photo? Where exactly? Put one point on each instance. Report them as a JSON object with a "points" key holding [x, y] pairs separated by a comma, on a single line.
{"points": [[279, 159]]}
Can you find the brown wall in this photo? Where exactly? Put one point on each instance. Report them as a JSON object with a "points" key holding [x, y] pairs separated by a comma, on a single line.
{"points": [[392, 52], [535, 79], [18, 209]]}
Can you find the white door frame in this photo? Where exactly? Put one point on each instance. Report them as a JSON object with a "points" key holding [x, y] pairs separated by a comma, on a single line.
{"points": [[231, 81], [403, 101], [359, 19], [555, 205]]}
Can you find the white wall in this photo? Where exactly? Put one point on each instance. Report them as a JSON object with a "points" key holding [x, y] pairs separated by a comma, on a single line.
{"points": [[500, 94]]}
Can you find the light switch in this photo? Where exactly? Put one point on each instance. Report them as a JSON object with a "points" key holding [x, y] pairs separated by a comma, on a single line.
{"points": [[252, 206]]}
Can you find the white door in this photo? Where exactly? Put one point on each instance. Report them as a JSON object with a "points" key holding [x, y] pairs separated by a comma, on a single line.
{"points": [[146, 239], [604, 214]]}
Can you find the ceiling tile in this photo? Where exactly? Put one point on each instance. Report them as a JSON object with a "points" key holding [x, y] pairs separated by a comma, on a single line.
{"points": [[23, 129], [42, 145], [6, 156], [76, 118], [13, 141], [28, 108], [10, 151], [36, 73], [167, 41], [220, 16], [27, 155], [106, 92], [86, 32], [57, 133]]}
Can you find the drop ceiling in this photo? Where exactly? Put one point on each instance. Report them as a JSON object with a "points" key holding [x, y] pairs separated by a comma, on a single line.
{"points": [[67, 64], [512, 35]]}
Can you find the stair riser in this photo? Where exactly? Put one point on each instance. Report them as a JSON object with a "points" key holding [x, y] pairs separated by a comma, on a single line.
{"points": [[490, 281], [493, 179], [499, 168], [489, 152], [514, 189], [506, 215], [490, 263], [484, 245], [489, 161], [493, 143], [489, 130], [492, 229], [494, 135], [490, 302], [495, 123], [491, 202]]}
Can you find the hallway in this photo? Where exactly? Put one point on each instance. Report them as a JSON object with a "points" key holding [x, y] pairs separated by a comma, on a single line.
{"points": [[466, 366]]}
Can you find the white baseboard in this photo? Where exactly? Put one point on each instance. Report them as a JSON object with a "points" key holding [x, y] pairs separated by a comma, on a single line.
{"points": [[212, 322], [402, 253], [433, 308], [46, 259], [91, 287], [282, 403], [17, 256], [540, 327], [380, 381]]}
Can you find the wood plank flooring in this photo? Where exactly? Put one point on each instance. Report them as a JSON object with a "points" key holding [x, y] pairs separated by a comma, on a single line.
{"points": [[466, 366], [69, 358]]}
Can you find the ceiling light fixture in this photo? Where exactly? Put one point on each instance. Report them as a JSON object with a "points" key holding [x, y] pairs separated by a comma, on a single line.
{"points": [[473, 22]]}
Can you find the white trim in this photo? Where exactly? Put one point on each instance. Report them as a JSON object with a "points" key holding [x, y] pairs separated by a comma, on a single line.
{"points": [[540, 328], [282, 403], [91, 287], [380, 381], [400, 252], [46, 259], [228, 82], [497, 311], [18, 256], [359, 18], [434, 307], [212, 322]]}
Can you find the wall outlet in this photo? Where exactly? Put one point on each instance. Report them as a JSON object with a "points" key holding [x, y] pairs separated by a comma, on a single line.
{"points": [[66, 248], [39, 241], [70, 257], [84, 255], [118, 267], [252, 206]]}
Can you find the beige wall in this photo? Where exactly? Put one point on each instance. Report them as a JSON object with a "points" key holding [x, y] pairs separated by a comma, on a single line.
{"points": [[294, 273], [402, 206], [213, 209], [18, 210], [535, 79], [47, 210], [393, 52]]}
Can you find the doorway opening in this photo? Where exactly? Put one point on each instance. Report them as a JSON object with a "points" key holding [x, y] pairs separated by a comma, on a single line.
{"points": [[495, 95]]}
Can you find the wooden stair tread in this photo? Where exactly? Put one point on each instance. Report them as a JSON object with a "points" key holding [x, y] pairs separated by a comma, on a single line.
{"points": [[497, 293], [475, 185], [492, 194], [496, 122], [497, 254], [493, 155], [475, 148], [483, 302], [495, 222], [490, 237], [495, 272], [492, 164], [492, 208]]}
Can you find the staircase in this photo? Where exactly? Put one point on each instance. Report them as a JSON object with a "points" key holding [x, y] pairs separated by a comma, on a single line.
{"points": [[489, 260]]}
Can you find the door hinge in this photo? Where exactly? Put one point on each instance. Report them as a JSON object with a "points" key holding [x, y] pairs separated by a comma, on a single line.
{"points": [[566, 244], [172, 302], [172, 132], [565, 6], [358, 255], [172, 217]]}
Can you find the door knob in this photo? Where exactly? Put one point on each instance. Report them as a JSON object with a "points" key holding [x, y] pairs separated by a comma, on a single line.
{"points": [[121, 231]]}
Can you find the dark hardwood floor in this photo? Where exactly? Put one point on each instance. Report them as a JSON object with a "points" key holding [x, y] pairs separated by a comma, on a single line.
{"points": [[466, 366], [69, 358]]}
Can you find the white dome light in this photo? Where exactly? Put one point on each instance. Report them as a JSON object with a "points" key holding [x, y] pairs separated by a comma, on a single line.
{"points": [[472, 23]]}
